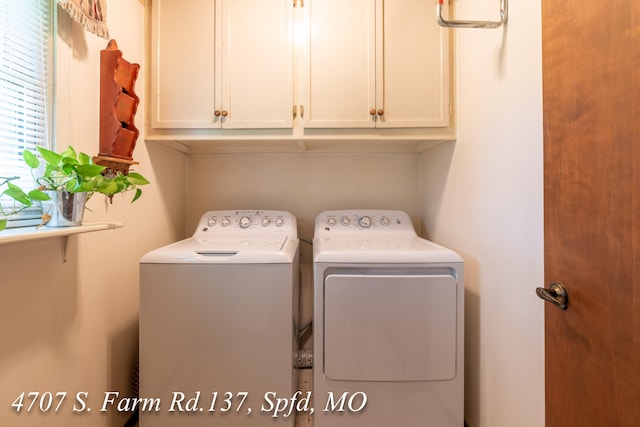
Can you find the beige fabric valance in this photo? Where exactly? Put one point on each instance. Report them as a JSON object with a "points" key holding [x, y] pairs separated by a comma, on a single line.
{"points": [[91, 14]]}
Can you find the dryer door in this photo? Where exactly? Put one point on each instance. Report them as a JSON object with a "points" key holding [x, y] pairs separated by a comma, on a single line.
{"points": [[390, 327]]}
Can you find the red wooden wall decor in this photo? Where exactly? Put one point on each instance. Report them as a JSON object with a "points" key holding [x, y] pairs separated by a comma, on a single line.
{"points": [[118, 106]]}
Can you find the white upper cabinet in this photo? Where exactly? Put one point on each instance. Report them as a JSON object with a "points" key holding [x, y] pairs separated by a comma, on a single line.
{"points": [[375, 63], [182, 57], [340, 67], [302, 74], [222, 64], [257, 64]]}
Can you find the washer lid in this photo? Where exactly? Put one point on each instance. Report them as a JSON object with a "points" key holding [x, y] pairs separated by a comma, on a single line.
{"points": [[235, 237], [225, 251]]}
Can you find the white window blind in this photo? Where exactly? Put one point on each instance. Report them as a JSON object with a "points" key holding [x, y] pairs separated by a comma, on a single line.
{"points": [[26, 55]]}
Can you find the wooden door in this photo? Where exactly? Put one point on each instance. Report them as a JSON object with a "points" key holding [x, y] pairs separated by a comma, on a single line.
{"points": [[591, 83]]}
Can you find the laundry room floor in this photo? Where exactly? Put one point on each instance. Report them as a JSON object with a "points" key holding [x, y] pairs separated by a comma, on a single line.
{"points": [[305, 384]]}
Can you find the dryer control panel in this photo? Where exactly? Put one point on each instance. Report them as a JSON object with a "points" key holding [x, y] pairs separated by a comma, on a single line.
{"points": [[246, 223], [363, 220]]}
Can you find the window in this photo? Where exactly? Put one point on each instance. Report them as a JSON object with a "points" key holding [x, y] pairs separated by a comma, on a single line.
{"points": [[26, 71]]}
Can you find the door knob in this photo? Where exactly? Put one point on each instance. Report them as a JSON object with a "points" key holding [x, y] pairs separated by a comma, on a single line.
{"points": [[556, 294]]}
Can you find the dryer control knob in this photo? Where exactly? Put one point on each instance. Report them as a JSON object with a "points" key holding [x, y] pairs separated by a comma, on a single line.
{"points": [[266, 221], [331, 221], [279, 222], [211, 221], [226, 222], [245, 222], [364, 221], [384, 221], [345, 220]]}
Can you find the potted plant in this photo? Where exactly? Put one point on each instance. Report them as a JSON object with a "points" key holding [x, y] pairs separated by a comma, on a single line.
{"points": [[65, 182]]}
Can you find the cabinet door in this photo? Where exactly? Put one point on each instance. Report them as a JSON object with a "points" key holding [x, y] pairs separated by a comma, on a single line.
{"points": [[340, 68], [412, 78], [257, 64], [182, 58]]}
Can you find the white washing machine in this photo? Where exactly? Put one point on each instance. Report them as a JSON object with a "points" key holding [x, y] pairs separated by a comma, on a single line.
{"points": [[388, 324], [218, 323]]}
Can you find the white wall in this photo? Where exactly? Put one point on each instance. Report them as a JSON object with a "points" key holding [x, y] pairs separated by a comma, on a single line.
{"points": [[483, 197], [302, 183], [73, 326]]}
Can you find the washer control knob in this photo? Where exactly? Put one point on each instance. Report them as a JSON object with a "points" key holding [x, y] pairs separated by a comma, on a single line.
{"points": [[345, 220], [331, 221], [364, 221], [266, 221], [245, 222], [384, 221], [211, 221], [279, 222], [226, 222]]}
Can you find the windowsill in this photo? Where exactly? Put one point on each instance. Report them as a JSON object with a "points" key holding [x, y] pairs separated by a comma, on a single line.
{"points": [[23, 234]]}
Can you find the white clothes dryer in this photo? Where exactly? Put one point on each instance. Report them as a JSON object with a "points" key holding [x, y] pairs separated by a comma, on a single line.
{"points": [[218, 323], [388, 324]]}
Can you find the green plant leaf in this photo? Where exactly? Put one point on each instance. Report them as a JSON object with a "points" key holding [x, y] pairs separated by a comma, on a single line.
{"points": [[99, 180], [67, 169], [51, 157], [30, 159], [38, 195], [86, 186], [137, 179], [70, 161], [69, 153], [3, 224], [120, 182], [17, 194], [109, 187], [137, 195], [50, 169], [89, 170], [84, 159]]}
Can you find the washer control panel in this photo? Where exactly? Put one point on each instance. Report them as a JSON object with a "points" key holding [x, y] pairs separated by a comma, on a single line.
{"points": [[246, 222], [362, 220]]}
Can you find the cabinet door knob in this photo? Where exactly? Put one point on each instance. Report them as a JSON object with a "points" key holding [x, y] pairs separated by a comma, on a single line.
{"points": [[372, 112], [224, 113], [216, 113], [380, 112]]}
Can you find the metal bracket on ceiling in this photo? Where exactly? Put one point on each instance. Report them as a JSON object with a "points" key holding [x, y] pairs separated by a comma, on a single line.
{"points": [[504, 9]]}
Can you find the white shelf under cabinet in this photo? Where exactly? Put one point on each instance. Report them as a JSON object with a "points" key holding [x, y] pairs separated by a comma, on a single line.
{"points": [[318, 140]]}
